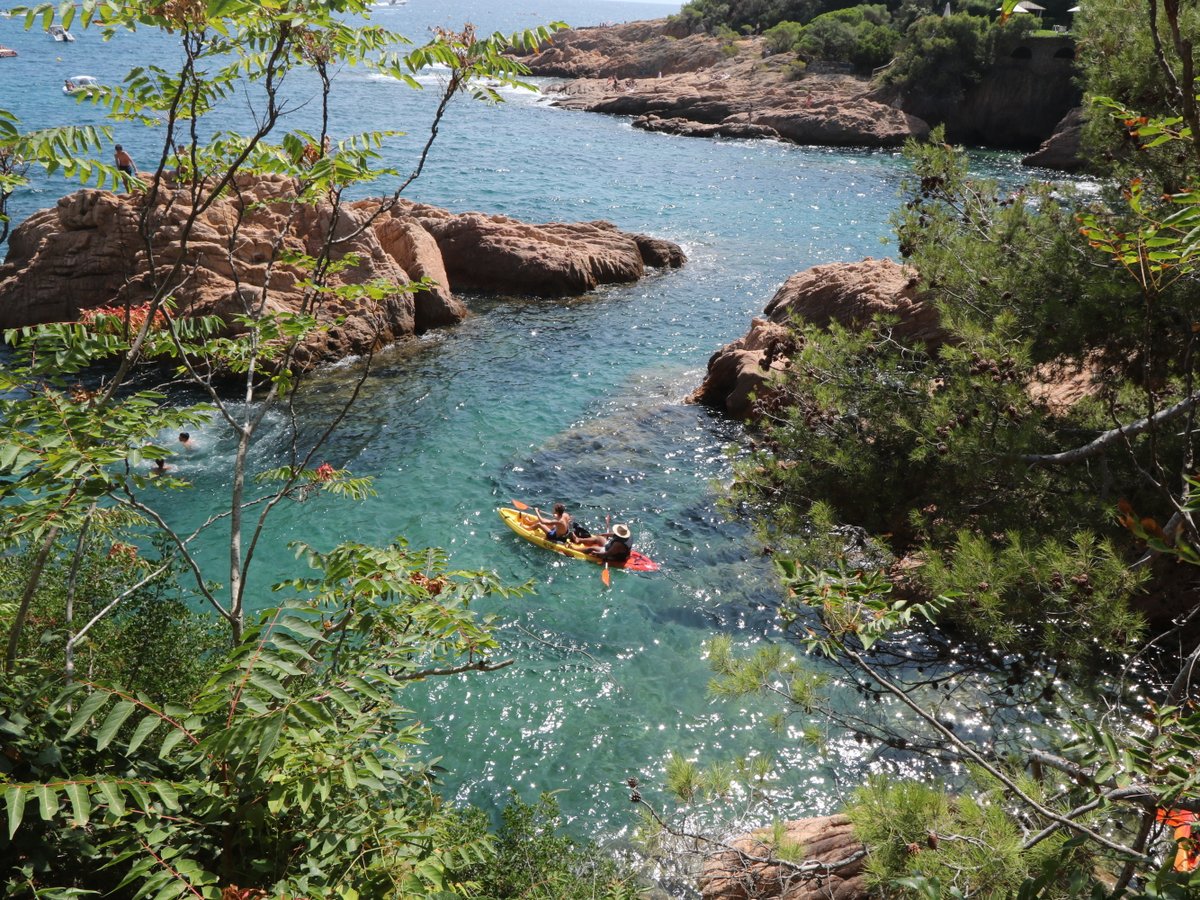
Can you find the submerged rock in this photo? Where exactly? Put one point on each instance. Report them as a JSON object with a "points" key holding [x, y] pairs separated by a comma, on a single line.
{"points": [[239, 256]]}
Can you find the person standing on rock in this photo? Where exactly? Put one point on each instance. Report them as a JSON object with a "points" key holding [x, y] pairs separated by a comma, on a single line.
{"points": [[125, 165]]}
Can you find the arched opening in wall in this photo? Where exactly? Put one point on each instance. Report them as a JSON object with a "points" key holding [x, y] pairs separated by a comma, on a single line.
{"points": [[1022, 53], [1065, 53]]}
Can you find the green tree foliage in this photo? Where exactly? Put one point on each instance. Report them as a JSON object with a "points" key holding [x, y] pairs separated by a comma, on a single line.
{"points": [[944, 55], [861, 35], [968, 841], [72, 454], [284, 764], [1023, 301], [1023, 546], [1122, 63], [154, 643], [783, 37], [757, 15], [293, 770]]}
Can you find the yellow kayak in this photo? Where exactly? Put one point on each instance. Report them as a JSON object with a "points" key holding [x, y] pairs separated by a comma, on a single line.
{"points": [[521, 523]]}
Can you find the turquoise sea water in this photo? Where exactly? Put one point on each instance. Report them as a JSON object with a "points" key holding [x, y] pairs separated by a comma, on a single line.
{"points": [[579, 400]]}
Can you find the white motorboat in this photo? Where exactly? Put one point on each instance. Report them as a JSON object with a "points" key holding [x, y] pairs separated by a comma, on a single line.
{"points": [[60, 34], [80, 84]]}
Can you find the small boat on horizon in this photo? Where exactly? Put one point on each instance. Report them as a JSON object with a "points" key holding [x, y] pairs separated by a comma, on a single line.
{"points": [[7, 52], [58, 33]]}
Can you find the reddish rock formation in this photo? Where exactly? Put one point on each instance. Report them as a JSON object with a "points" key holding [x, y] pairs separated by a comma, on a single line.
{"points": [[856, 121], [698, 85], [89, 252], [739, 373], [854, 293], [828, 841], [496, 253], [631, 50], [704, 86], [847, 293]]}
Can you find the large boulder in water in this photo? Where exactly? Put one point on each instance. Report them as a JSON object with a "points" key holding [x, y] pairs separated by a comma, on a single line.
{"points": [[851, 294], [496, 253], [234, 257], [1063, 149], [745, 872]]}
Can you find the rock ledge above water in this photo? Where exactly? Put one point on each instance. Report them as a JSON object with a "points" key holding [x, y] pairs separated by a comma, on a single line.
{"points": [[88, 251]]}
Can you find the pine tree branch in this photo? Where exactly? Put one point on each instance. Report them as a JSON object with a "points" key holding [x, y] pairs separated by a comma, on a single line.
{"points": [[1105, 440]]}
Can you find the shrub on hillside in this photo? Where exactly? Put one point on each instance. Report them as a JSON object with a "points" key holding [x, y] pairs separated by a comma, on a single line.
{"points": [[862, 36], [756, 15], [947, 54], [782, 38]]}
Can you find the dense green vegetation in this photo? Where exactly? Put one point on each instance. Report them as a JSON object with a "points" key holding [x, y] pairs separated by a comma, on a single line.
{"points": [[861, 35], [928, 51]]}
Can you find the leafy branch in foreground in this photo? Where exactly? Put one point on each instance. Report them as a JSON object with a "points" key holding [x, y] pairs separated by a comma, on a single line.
{"points": [[293, 770]]}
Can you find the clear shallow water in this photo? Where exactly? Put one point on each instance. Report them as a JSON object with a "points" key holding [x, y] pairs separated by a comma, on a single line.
{"points": [[541, 400]]}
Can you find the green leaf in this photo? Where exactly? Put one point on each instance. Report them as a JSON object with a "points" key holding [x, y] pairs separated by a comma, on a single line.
{"points": [[115, 720], [166, 791], [14, 801], [268, 741], [144, 729], [80, 803], [86, 709], [1111, 746], [112, 797], [265, 682], [174, 736], [47, 800]]}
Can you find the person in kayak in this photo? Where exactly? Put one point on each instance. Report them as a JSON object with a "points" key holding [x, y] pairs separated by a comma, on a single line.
{"points": [[556, 529], [611, 546]]}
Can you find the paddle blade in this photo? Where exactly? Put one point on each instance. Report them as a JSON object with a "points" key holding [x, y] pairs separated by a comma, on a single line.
{"points": [[517, 504], [606, 576]]}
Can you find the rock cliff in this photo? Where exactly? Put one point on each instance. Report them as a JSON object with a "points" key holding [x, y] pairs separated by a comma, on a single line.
{"points": [[90, 251], [704, 86], [1016, 105], [1062, 150]]}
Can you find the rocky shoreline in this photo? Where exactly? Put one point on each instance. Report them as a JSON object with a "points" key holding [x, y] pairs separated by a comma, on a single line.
{"points": [[694, 86], [88, 252], [698, 85]]}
